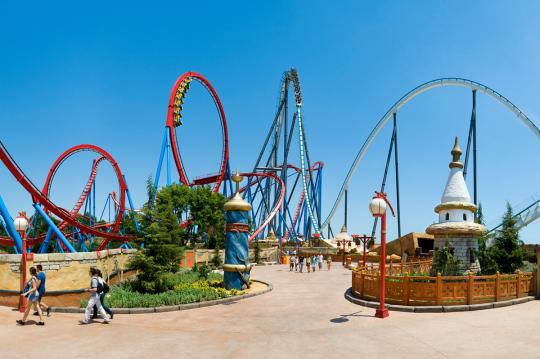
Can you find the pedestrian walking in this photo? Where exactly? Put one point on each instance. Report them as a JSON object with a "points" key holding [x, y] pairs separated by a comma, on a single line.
{"points": [[320, 260], [308, 263], [41, 279], [300, 263], [94, 298], [329, 262], [291, 263], [31, 293], [314, 262], [102, 294]]}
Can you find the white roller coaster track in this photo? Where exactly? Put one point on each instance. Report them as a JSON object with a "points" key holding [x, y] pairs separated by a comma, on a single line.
{"points": [[409, 96]]}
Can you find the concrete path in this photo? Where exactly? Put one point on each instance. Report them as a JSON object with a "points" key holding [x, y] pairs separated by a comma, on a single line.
{"points": [[305, 316]]}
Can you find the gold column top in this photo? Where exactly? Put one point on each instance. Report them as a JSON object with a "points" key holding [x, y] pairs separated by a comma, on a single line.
{"points": [[237, 203]]}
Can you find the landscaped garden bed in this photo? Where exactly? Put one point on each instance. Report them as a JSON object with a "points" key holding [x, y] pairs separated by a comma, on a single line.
{"points": [[185, 287]]}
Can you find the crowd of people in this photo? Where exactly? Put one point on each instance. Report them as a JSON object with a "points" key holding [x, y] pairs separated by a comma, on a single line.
{"points": [[311, 262], [34, 290]]}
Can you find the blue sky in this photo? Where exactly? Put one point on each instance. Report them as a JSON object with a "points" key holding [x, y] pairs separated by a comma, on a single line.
{"points": [[101, 74]]}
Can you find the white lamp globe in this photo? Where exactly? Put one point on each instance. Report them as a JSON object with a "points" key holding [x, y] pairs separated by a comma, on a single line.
{"points": [[377, 207], [21, 224]]}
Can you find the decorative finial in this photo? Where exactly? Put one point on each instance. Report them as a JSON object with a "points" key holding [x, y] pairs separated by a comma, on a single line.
{"points": [[237, 203], [237, 179], [456, 154], [344, 229]]}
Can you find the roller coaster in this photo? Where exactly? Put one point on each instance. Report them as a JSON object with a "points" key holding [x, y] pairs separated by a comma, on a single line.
{"points": [[284, 186]]}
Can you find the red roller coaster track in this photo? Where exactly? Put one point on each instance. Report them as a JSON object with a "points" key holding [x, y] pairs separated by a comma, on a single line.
{"points": [[176, 99]]}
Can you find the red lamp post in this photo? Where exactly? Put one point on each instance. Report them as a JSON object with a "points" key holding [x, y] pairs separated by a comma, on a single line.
{"points": [[364, 239], [21, 225], [377, 207]]}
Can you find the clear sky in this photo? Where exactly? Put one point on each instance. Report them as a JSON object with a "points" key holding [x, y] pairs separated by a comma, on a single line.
{"points": [[101, 73]]}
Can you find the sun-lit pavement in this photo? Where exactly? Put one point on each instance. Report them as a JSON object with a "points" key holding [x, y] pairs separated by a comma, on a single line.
{"points": [[305, 316]]}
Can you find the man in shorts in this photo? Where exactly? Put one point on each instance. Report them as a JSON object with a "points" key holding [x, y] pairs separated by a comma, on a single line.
{"points": [[42, 278]]}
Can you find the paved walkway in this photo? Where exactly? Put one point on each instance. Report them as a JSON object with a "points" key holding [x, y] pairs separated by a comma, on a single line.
{"points": [[305, 316]]}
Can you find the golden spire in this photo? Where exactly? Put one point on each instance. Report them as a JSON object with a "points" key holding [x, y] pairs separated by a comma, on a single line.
{"points": [[456, 154]]}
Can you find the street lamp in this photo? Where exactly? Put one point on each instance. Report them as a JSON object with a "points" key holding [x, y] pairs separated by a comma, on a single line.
{"points": [[21, 225], [377, 207], [364, 239]]}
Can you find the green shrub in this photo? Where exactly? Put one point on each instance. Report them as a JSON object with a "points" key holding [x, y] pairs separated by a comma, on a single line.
{"points": [[445, 263]]}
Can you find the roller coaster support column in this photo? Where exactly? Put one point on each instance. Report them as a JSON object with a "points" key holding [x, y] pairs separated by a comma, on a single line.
{"points": [[55, 229], [160, 163], [474, 148], [10, 228], [346, 204], [236, 267], [396, 165], [472, 138], [128, 194]]}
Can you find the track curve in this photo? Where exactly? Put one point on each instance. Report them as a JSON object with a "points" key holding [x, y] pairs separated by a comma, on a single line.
{"points": [[103, 154], [473, 85], [277, 206], [39, 197]]}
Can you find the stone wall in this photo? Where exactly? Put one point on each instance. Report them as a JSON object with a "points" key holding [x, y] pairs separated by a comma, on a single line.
{"points": [[205, 256], [463, 248], [67, 273]]}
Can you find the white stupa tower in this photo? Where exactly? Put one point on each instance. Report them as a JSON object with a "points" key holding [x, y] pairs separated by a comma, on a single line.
{"points": [[456, 217]]}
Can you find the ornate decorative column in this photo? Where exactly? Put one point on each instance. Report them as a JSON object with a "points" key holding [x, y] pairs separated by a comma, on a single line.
{"points": [[237, 267]]}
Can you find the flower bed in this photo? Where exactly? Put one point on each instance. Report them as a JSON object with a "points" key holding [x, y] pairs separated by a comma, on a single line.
{"points": [[188, 287]]}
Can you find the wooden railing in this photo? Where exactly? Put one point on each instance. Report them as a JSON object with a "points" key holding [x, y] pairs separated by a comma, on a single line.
{"points": [[417, 267], [449, 290]]}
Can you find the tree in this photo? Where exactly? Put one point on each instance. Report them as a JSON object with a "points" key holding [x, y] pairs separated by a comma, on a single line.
{"points": [[488, 265], [206, 209], [507, 248], [163, 244], [445, 263]]}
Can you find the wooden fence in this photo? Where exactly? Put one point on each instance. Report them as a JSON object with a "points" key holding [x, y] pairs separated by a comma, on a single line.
{"points": [[449, 290], [416, 267]]}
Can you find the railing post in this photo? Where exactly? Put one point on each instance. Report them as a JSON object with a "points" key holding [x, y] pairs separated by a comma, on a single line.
{"points": [[470, 289], [518, 283], [439, 289], [406, 289], [497, 284], [362, 284]]}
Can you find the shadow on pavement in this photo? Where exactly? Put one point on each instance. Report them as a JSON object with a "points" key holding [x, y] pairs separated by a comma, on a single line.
{"points": [[345, 317]]}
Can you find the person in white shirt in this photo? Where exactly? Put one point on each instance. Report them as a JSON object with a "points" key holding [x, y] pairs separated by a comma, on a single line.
{"points": [[94, 299], [291, 263]]}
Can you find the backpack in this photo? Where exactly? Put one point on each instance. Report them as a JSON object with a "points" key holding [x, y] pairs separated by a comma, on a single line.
{"points": [[102, 287]]}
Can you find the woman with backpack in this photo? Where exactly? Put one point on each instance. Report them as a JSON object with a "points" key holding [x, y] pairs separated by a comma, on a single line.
{"points": [[95, 288], [104, 290], [31, 292]]}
